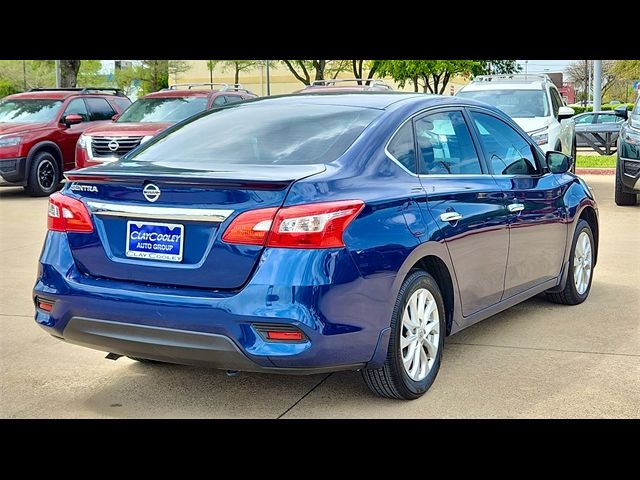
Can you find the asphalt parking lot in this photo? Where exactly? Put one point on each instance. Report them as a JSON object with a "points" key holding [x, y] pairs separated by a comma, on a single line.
{"points": [[536, 360]]}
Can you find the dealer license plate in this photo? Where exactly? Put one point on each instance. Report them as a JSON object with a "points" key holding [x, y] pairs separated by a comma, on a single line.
{"points": [[155, 241]]}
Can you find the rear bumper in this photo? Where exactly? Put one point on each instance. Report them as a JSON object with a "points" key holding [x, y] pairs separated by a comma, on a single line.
{"points": [[342, 315], [13, 171], [170, 345]]}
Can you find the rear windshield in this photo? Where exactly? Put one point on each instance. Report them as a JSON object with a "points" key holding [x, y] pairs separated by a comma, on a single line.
{"points": [[262, 134], [28, 111], [172, 110]]}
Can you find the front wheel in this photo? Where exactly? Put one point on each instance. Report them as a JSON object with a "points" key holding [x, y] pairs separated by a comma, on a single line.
{"points": [[415, 347], [580, 272], [44, 176]]}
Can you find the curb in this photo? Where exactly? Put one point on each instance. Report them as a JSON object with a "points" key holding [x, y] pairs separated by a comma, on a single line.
{"points": [[595, 171]]}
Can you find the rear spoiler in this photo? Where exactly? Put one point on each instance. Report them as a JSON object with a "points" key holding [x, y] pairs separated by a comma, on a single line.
{"points": [[272, 179]]}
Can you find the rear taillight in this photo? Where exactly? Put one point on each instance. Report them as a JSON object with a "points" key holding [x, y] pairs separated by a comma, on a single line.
{"points": [[315, 225], [67, 214]]}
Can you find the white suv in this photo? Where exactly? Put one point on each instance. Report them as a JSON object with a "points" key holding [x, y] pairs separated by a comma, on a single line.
{"points": [[534, 103]]}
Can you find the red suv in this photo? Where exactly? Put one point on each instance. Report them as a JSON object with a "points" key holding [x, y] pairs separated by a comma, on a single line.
{"points": [[150, 115], [39, 130]]}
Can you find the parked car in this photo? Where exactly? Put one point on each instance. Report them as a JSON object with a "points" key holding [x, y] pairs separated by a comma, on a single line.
{"points": [[150, 115], [39, 130], [345, 85], [597, 122], [534, 103], [628, 156], [615, 102], [314, 233]]}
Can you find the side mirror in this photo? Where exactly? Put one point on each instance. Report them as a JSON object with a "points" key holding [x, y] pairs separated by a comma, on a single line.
{"points": [[565, 112], [558, 162], [115, 117], [71, 119], [621, 111]]}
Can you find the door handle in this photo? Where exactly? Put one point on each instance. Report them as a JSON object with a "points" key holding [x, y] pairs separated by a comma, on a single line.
{"points": [[450, 216], [515, 207]]}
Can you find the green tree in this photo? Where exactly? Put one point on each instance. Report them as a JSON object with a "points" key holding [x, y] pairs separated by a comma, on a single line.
{"points": [[7, 88], [432, 75], [69, 73], [358, 66], [496, 67], [154, 75], [308, 71], [174, 67], [89, 74], [211, 65], [240, 66], [26, 74]]}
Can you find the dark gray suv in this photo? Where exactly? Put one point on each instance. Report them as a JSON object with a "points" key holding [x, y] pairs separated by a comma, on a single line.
{"points": [[628, 160]]}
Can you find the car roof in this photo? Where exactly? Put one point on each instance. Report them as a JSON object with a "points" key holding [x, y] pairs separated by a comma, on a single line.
{"points": [[504, 85], [180, 93], [53, 95], [376, 100], [350, 99]]}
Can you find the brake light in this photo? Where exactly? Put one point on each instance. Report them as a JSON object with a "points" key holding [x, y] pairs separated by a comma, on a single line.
{"points": [[250, 228], [315, 225], [67, 214]]}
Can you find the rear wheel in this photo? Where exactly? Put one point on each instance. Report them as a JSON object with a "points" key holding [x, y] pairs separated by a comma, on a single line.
{"points": [[580, 272], [415, 346], [623, 198], [44, 176]]}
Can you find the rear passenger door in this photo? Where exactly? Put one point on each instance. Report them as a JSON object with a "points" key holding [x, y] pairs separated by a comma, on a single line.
{"points": [[466, 203], [534, 203]]}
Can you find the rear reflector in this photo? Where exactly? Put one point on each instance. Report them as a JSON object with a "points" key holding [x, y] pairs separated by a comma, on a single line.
{"points": [[280, 332], [314, 225], [67, 214], [276, 335], [44, 304]]}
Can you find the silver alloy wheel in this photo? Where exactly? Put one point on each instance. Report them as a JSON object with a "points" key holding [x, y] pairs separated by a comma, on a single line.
{"points": [[582, 261], [420, 337], [46, 174]]}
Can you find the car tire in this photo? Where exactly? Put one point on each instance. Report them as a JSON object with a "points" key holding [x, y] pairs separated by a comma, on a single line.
{"points": [[575, 291], [623, 198], [147, 360], [394, 379], [44, 175]]}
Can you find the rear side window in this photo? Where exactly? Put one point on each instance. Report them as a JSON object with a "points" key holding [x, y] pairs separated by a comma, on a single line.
{"points": [[100, 109], [506, 150], [402, 147], [77, 107], [233, 99], [122, 103], [262, 133], [608, 118], [445, 146], [219, 101]]}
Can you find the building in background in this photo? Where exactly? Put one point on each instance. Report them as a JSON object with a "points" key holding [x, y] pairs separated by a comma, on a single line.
{"points": [[282, 80]]}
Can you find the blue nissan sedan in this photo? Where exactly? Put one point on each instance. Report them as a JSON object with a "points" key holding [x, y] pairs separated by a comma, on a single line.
{"points": [[315, 233]]}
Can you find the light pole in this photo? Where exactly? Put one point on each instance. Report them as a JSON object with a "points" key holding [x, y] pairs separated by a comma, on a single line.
{"points": [[24, 75], [268, 80], [597, 84]]}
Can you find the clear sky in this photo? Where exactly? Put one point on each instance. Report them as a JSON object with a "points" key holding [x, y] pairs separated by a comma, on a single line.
{"points": [[545, 66]]}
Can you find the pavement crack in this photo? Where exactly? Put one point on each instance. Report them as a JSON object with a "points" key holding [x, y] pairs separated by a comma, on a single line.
{"points": [[544, 349], [303, 397]]}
